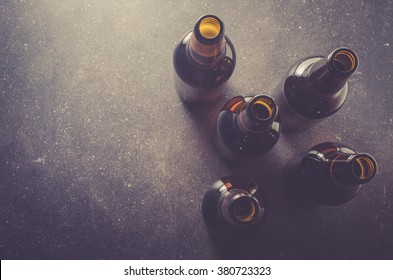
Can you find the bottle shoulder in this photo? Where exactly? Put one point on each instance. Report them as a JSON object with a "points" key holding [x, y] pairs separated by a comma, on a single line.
{"points": [[245, 145], [304, 100], [315, 170], [322, 155], [201, 76], [300, 68], [329, 149]]}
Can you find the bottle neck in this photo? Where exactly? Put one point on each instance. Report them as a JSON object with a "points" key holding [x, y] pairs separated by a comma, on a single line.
{"points": [[207, 42], [257, 115], [352, 169], [330, 74]]}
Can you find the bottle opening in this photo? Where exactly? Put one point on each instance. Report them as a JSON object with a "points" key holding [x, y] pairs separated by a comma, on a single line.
{"points": [[244, 209], [209, 27], [345, 61], [262, 109], [363, 167]]}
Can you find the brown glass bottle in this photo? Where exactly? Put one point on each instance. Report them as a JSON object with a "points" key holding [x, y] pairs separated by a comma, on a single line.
{"points": [[315, 88], [248, 127], [233, 207], [331, 173], [204, 60]]}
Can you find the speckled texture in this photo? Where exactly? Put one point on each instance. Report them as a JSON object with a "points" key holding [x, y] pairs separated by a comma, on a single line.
{"points": [[100, 159]]}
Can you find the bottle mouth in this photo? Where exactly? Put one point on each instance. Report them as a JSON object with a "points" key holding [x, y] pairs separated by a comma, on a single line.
{"points": [[345, 60], [244, 209], [364, 167], [209, 29], [263, 108]]}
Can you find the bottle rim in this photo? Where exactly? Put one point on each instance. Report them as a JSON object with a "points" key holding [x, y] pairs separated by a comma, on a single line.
{"points": [[262, 108], [363, 167], [343, 61], [209, 29]]}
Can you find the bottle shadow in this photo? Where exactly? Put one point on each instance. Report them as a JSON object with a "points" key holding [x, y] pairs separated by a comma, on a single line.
{"points": [[296, 196], [204, 119], [229, 249], [205, 114], [284, 202]]}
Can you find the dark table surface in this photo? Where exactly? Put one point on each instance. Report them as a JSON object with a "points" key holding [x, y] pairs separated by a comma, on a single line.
{"points": [[100, 159]]}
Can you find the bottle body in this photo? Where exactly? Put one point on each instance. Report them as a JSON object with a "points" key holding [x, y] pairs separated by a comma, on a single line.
{"points": [[332, 173], [247, 127], [314, 89], [233, 207], [203, 61]]}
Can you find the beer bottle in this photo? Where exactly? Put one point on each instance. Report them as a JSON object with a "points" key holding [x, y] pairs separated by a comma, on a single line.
{"points": [[315, 88], [204, 60], [248, 127], [233, 207], [331, 173]]}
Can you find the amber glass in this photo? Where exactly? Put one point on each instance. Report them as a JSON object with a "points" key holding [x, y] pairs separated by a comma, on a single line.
{"points": [[233, 207], [248, 127], [331, 173], [204, 60], [315, 88]]}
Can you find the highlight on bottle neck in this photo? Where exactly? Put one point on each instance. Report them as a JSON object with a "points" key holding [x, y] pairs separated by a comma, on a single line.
{"points": [[207, 42], [343, 61], [259, 114], [243, 208]]}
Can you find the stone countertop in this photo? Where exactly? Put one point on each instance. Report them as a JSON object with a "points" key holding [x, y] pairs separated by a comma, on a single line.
{"points": [[99, 159]]}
